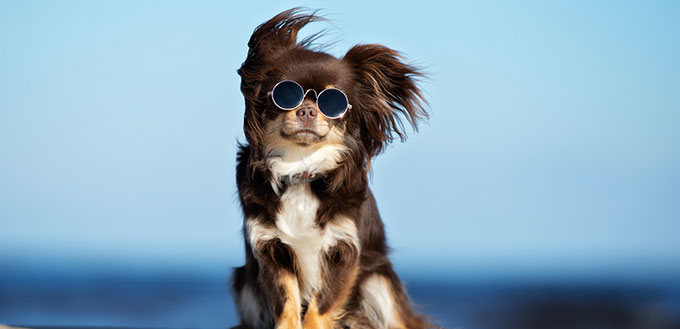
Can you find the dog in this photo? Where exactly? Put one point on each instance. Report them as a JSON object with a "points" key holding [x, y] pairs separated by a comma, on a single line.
{"points": [[315, 249]]}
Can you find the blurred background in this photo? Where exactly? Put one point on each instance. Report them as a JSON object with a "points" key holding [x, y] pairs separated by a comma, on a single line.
{"points": [[543, 193]]}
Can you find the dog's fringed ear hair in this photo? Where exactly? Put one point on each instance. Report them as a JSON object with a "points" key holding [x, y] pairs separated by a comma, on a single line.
{"points": [[386, 90], [265, 45]]}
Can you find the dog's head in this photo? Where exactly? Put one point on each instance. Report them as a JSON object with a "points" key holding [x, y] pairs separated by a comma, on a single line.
{"points": [[380, 88]]}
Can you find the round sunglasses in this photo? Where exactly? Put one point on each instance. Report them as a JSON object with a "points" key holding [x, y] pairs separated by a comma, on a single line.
{"points": [[288, 95]]}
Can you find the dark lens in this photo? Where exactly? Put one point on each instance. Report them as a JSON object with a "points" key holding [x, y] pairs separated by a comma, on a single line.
{"points": [[287, 94], [332, 102]]}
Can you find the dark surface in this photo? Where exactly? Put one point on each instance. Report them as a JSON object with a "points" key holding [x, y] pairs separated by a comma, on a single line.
{"points": [[174, 300]]}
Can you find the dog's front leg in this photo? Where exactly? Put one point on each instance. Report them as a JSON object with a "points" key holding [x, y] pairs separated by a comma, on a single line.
{"points": [[277, 276], [340, 267]]}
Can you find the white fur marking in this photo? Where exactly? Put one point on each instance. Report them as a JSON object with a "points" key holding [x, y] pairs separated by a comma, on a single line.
{"points": [[296, 221], [255, 232], [341, 229], [296, 227], [290, 160], [249, 309], [377, 302]]}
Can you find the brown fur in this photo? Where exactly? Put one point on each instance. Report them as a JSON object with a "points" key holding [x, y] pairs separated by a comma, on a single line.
{"points": [[382, 90]]}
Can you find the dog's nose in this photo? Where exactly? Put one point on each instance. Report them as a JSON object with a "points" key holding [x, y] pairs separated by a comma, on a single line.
{"points": [[306, 114]]}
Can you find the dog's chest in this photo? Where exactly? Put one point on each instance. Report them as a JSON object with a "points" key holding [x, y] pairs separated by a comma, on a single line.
{"points": [[296, 223]]}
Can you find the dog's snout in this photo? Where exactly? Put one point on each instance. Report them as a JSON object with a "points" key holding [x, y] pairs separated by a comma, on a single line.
{"points": [[306, 114]]}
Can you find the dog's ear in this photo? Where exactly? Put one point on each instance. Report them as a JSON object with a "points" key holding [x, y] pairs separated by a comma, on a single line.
{"points": [[279, 33], [385, 91], [266, 44]]}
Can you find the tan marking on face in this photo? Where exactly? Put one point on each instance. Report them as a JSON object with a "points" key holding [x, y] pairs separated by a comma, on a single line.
{"points": [[290, 317], [287, 129]]}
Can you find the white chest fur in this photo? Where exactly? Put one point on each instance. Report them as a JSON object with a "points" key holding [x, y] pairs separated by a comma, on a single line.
{"points": [[296, 227], [296, 219], [296, 223]]}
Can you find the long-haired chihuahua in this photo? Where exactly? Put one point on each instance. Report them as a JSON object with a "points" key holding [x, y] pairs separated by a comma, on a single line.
{"points": [[315, 249]]}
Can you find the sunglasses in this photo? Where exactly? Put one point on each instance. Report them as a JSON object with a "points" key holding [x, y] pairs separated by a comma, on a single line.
{"points": [[332, 102]]}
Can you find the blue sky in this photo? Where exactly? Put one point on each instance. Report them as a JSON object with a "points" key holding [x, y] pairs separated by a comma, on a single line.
{"points": [[553, 141]]}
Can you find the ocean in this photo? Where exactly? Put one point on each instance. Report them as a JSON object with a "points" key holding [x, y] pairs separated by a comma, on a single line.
{"points": [[174, 299]]}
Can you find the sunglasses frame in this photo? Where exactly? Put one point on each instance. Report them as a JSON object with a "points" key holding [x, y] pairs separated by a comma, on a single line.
{"points": [[316, 95]]}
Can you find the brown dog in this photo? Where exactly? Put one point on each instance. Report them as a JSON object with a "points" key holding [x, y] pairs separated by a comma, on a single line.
{"points": [[316, 255]]}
